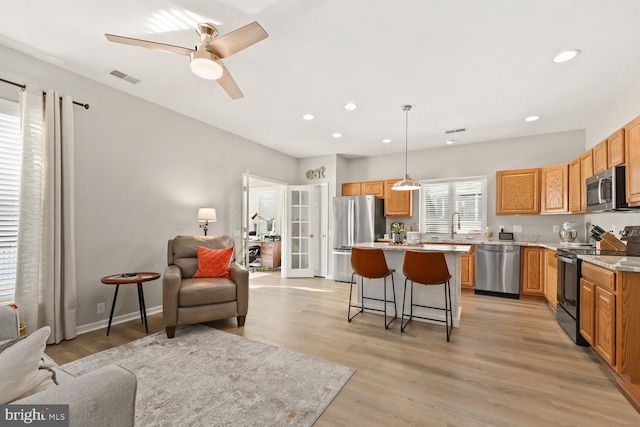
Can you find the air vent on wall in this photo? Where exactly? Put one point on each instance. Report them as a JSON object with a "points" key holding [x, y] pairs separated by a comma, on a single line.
{"points": [[123, 76], [455, 130]]}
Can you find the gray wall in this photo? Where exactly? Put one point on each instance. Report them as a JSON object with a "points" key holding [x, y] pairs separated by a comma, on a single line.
{"points": [[141, 173]]}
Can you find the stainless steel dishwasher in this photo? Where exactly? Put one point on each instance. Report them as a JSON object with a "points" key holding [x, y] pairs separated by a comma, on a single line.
{"points": [[498, 270]]}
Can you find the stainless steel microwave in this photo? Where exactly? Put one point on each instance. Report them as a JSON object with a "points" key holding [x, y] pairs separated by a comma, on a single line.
{"points": [[606, 191]]}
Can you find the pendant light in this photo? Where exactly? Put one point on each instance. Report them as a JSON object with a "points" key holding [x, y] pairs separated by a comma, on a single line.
{"points": [[407, 184]]}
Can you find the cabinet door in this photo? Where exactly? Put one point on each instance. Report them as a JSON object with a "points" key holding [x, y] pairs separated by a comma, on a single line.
{"points": [[587, 296], [373, 188], [533, 271], [586, 171], [575, 200], [615, 149], [467, 271], [551, 277], [518, 192], [555, 189], [351, 189], [397, 203], [605, 324], [600, 156], [632, 157]]}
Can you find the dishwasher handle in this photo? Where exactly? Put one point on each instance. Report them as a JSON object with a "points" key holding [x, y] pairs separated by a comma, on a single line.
{"points": [[498, 248]]}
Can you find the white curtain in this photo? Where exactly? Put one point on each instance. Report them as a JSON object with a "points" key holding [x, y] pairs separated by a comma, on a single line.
{"points": [[46, 274]]}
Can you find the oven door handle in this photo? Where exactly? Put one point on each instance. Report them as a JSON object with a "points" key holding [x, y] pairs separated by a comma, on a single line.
{"points": [[565, 259]]}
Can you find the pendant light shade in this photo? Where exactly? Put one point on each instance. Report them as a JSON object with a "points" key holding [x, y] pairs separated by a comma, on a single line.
{"points": [[407, 184]]}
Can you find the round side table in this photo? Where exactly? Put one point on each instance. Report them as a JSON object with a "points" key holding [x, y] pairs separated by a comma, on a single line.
{"points": [[138, 278]]}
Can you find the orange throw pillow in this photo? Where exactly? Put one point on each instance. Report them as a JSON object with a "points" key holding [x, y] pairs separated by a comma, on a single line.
{"points": [[213, 262]]}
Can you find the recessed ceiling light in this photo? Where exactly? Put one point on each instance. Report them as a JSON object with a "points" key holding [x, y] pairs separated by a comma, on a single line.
{"points": [[350, 106], [386, 141], [532, 118], [449, 142], [308, 117], [567, 55], [337, 135]]}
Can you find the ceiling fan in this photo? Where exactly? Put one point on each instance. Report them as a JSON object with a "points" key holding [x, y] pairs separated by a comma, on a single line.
{"points": [[206, 57]]}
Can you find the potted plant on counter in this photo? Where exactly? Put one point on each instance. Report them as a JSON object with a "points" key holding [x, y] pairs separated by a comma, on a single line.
{"points": [[396, 234]]}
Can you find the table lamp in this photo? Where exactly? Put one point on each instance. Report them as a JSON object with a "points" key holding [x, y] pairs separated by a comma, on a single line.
{"points": [[205, 215]]}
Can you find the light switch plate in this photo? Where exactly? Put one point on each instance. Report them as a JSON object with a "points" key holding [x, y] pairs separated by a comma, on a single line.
{"points": [[517, 229]]}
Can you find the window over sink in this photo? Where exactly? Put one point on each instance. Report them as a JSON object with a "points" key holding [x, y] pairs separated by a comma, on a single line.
{"points": [[441, 198]]}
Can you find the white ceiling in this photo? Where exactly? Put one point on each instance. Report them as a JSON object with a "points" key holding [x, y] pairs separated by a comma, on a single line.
{"points": [[481, 65]]}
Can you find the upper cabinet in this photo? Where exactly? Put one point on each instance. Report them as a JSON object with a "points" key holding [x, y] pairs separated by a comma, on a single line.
{"points": [[397, 203], [632, 157], [600, 156], [574, 186], [586, 171], [518, 192], [615, 149], [555, 189]]}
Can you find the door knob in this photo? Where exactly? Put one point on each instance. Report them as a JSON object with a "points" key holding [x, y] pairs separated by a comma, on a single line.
{"points": [[310, 235]]}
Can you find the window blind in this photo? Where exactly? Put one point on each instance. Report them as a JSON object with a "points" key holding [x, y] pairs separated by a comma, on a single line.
{"points": [[265, 201], [439, 199], [10, 160]]}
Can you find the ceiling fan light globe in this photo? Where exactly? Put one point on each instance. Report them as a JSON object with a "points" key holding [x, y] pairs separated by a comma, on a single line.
{"points": [[206, 68]]}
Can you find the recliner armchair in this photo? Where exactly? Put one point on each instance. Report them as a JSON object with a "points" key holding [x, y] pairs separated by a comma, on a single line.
{"points": [[187, 300]]}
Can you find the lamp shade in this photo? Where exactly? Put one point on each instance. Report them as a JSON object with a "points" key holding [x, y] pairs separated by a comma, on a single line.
{"points": [[203, 65], [407, 184], [207, 214]]}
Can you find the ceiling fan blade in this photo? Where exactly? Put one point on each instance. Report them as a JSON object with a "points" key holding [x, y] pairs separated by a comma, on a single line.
{"points": [[148, 44], [228, 84], [237, 40]]}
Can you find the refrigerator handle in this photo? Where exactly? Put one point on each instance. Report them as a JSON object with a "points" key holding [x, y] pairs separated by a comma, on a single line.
{"points": [[350, 222]]}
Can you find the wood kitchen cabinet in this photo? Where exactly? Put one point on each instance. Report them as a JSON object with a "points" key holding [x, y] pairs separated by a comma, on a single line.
{"points": [[555, 189], [373, 188], [600, 157], [468, 270], [632, 157], [586, 171], [533, 270], [518, 192], [598, 310], [551, 277], [397, 203], [575, 200], [615, 149]]}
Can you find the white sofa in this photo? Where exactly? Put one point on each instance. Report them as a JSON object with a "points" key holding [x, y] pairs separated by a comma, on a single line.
{"points": [[104, 397]]}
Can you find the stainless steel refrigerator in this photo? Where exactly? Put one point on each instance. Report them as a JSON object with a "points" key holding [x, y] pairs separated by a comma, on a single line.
{"points": [[356, 219]]}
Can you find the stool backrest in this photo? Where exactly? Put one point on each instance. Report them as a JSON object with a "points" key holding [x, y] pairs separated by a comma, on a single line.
{"points": [[369, 263], [428, 268]]}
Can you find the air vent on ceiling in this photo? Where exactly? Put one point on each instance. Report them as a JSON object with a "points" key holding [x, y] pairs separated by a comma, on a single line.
{"points": [[455, 130], [123, 76]]}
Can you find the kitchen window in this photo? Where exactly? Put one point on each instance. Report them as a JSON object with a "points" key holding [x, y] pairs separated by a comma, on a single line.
{"points": [[10, 161], [440, 198], [265, 204]]}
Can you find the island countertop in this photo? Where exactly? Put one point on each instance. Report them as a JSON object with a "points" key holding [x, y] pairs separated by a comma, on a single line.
{"points": [[427, 247]]}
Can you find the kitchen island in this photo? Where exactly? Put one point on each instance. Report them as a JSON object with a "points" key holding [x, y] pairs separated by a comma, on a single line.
{"points": [[424, 295]]}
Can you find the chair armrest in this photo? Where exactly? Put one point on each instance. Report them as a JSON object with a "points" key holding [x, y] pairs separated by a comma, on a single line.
{"points": [[9, 323], [170, 288], [240, 276], [104, 397]]}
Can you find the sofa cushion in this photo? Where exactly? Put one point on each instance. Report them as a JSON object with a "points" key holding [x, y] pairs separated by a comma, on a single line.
{"points": [[194, 292], [213, 262], [20, 373], [183, 250]]}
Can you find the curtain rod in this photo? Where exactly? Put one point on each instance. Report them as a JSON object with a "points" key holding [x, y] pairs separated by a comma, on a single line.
{"points": [[86, 106]]}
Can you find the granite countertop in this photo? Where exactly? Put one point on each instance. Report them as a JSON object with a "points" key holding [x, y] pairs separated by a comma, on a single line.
{"points": [[427, 247]]}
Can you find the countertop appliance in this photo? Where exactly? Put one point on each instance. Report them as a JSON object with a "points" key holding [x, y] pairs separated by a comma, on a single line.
{"points": [[568, 233], [356, 219], [606, 191], [498, 270], [568, 311]]}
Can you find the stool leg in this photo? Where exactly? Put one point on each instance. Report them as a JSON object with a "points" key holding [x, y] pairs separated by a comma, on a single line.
{"points": [[450, 323], [113, 305], [386, 325], [393, 288], [349, 316], [404, 299]]}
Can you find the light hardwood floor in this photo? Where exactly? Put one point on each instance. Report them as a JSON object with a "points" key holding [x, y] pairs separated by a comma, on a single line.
{"points": [[509, 363]]}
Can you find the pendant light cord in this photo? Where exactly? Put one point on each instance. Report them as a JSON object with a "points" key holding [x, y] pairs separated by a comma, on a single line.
{"points": [[406, 108]]}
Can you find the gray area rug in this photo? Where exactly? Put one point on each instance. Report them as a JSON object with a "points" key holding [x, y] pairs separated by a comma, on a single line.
{"points": [[206, 377]]}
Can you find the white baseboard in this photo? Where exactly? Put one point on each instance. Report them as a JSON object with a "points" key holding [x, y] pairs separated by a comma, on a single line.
{"points": [[101, 324]]}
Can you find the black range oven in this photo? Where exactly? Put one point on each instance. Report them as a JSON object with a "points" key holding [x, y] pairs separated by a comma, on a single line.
{"points": [[568, 312]]}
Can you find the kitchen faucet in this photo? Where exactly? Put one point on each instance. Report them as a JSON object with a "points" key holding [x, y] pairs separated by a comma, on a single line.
{"points": [[452, 229]]}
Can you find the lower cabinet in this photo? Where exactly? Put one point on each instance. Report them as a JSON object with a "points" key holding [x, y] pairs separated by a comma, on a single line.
{"points": [[270, 255], [598, 310], [551, 277], [468, 270], [533, 271]]}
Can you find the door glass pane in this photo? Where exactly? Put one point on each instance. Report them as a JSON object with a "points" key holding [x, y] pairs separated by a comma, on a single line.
{"points": [[304, 246], [304, 261], [295, 198], [305, 198]]}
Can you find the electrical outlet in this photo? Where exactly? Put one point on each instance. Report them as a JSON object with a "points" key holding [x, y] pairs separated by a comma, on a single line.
{"points": [[101, 308], [556, 228], [236, 233], [517, 229]]}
